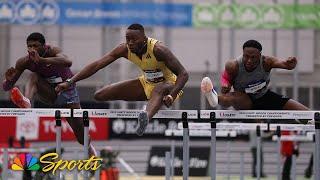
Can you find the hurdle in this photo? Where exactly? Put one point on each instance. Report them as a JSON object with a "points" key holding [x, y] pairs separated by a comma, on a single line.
{"points": [[213, 115], [194, 132], [227, 129], [32, 113], [58, 138], [185, 115]]}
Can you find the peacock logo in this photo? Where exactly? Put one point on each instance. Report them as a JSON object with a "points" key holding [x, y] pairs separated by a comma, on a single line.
{"points": [[25, 161]]}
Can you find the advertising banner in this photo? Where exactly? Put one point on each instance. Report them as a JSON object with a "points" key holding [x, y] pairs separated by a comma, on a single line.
{"points": [[126, 128], [28, 12], [198, 162], [257, 16], [43, 129]]}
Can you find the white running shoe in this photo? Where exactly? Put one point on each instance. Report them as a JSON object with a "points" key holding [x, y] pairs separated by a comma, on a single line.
{"points": [[311, 122], [209, 92]]}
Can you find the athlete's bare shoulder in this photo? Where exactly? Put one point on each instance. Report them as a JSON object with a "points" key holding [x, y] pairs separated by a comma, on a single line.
{"points": [[267, 62], [159, 46], [161, 51], [22, 62], [232, 67], [53, 51], [120, 51]]}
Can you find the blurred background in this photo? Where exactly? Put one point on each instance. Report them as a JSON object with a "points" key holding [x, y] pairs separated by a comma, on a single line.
{"points": [[203, 34]]}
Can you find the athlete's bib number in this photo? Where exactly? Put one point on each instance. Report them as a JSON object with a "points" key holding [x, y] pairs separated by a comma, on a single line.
{"points": [[54, 80], [154, 75], [254, 88]]}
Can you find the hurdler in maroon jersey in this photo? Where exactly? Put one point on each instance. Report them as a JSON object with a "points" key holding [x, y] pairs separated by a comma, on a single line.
{"points": [[50, 67]]}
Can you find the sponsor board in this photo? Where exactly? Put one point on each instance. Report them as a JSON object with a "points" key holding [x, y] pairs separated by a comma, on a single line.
{"points": [[44, 128], [126, 128], [198, 162]]}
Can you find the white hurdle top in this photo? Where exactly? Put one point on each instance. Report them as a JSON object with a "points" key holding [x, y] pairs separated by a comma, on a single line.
{"points": [[226, 126], [292, 127], [133, 113], [32, 112], [200, 133], [24, 150], [257, 114], [249, 126]]}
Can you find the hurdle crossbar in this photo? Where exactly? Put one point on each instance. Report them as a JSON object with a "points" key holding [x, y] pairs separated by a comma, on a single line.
{"points": [[250, 126], [23, 150], [226, 126], [293, 127], [200, 133], [256, 114], [18, 112], [133, 113]]}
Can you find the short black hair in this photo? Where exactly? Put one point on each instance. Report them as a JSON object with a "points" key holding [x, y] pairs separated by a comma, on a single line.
{"points": [[136, 26], [36, 36], [252, 43]]}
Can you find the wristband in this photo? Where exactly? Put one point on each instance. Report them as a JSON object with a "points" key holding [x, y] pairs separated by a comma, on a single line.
{"points": [[225, 79], [69, 82], [170, 97]]}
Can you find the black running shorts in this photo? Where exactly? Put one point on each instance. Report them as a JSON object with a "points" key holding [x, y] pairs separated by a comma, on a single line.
{"points": [[269, 101]]}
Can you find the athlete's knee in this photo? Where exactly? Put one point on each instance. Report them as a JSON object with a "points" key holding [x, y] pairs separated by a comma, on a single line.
{"points": [[241, 101], [238, 100], [225, 100], [100, 95]]}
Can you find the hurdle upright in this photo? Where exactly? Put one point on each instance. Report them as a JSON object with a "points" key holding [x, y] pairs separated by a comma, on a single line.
{"points": [[317, 146], [184, 115], [255, 114]]}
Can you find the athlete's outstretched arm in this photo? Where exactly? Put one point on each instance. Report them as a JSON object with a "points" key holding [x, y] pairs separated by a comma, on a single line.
{"points": [[162, 53], [92, 68], [13, 74], [273, 62], [55, 57], [58, 58]]}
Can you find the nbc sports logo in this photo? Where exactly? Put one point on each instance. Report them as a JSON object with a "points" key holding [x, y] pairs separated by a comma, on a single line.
{"points": [[25, 161]]}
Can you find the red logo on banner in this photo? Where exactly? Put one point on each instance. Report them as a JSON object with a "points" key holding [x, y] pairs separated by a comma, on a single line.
{"points": [[98, 129]]}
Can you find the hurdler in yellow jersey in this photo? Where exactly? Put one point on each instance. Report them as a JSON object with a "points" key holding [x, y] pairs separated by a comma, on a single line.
{"points": [[153, 71], [161, 83]]}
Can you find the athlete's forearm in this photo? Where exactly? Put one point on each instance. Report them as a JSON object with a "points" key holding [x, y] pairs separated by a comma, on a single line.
{"points": [[88, 71], [182, 79], [8, 84], [61, 61]]}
